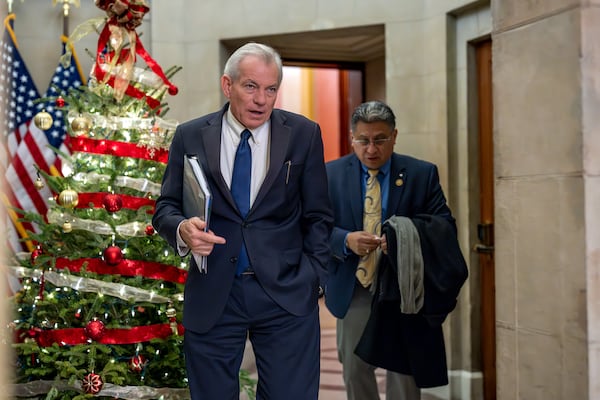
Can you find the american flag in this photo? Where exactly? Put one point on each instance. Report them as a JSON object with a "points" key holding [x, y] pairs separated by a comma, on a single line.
{"points": [[64, 78], [27, 146], [17, 96]]}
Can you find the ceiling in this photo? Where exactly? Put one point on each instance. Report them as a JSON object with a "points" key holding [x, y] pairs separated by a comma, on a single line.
{"points": [[344, 45]]}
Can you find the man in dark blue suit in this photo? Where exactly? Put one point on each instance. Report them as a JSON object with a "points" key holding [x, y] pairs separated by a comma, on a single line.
{"points": [[407, 187], [266, 259]]}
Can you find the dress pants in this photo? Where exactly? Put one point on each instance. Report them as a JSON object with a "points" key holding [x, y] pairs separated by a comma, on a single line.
{"points": [[286, 347], [359, 377]]}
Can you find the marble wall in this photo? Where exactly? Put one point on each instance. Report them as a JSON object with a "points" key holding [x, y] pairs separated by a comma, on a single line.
{"points": [[547, 304]]}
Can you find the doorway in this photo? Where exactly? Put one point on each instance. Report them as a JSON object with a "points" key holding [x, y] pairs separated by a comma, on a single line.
{"points": [[326, 94]]}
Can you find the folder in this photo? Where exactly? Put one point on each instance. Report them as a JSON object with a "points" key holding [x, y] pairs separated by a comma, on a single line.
{"points": [[197, 198]]}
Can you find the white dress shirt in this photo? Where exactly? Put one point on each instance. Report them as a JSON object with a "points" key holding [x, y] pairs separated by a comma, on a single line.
{"points": [[259, 145], [230, 138]]}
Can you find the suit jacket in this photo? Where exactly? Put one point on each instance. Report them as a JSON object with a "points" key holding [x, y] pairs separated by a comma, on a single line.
{"points": [[285, 231], [414, 189]]}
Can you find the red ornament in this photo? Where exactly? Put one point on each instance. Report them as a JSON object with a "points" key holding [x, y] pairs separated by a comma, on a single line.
{"points": [[113, 255], [112, 202], [35, 254], [137, 363], [60, 102], [34, 332], [95, 329], [92, 383], [149, 230]]}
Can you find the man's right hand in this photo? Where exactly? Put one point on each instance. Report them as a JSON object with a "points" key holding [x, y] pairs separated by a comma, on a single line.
{"points": [[362, 242], [198, 241]]}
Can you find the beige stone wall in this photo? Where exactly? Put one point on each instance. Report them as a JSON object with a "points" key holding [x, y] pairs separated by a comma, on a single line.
{"points": [[590, 68], [545, 195]]}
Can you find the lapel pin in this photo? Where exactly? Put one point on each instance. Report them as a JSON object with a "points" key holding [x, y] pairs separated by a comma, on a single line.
{"points": [[400, 181]]}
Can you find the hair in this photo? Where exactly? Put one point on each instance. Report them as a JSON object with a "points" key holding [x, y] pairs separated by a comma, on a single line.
{"points": [[268, 54], [373, 111]]}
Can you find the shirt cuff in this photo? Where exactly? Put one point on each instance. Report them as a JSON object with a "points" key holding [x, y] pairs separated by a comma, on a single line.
{"points": [[346, 251], [182, 247]]}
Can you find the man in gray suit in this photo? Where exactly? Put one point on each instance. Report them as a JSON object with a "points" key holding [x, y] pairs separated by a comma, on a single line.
{"points": [[266, 252]]}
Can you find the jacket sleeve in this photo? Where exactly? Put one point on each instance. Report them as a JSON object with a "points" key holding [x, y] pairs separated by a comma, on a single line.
{"points": [[168, 211]]}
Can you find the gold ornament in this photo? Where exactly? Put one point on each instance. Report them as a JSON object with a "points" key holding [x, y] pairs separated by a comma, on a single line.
{"points": [[81, 126], [171, 312], [68, 198], [43, 120], [67, 227], [39, 183]]}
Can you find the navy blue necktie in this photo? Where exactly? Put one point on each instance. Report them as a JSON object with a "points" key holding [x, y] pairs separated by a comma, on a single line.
{"points": [[240, 189]]}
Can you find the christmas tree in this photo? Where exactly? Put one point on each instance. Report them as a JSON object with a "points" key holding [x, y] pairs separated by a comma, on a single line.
{"points": [[99, 312]]}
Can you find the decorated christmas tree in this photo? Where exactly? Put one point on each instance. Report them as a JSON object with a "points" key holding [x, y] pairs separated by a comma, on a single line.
{"points": [[99, 312]]}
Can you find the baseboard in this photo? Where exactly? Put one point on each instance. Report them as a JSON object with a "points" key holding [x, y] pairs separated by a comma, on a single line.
{"points": [[465, 385]]}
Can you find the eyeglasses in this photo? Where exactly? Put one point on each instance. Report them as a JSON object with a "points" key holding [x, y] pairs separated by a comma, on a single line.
{"points": [[377, 142]]}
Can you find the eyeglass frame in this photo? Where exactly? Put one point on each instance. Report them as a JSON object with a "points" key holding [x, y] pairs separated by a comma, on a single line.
{"points": [[379, 142]]}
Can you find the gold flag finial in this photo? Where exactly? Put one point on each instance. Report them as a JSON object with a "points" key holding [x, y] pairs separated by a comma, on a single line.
{"points": [[66, 5], [10, 5]]}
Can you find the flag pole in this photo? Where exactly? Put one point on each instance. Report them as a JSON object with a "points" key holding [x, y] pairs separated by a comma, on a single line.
{"points": [[66, 6]]}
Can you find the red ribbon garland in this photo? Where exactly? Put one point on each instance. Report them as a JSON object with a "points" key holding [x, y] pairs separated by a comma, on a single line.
{"points": [[119, 149], [73, 336], [141, 51], [129, 202], [147, 269]]}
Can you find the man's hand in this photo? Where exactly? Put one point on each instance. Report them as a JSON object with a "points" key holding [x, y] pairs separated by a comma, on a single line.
{"points": [[200, 242], [362, 242]]}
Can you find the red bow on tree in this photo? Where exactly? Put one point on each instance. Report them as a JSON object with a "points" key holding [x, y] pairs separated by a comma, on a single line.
{"points": [[123, 17], [128, 14]]}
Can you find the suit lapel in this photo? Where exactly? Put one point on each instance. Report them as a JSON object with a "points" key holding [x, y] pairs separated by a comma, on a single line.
{"points": [[354, 174], [397, 185], [211, 140], [279, 140]]}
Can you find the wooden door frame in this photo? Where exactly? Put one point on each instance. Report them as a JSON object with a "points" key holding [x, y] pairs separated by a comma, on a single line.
{"points": [[485, 228]]}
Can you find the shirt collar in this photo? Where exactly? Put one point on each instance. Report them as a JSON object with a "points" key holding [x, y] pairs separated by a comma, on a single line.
{"points": [[383, 170], [237, 127], [234, 124]]}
